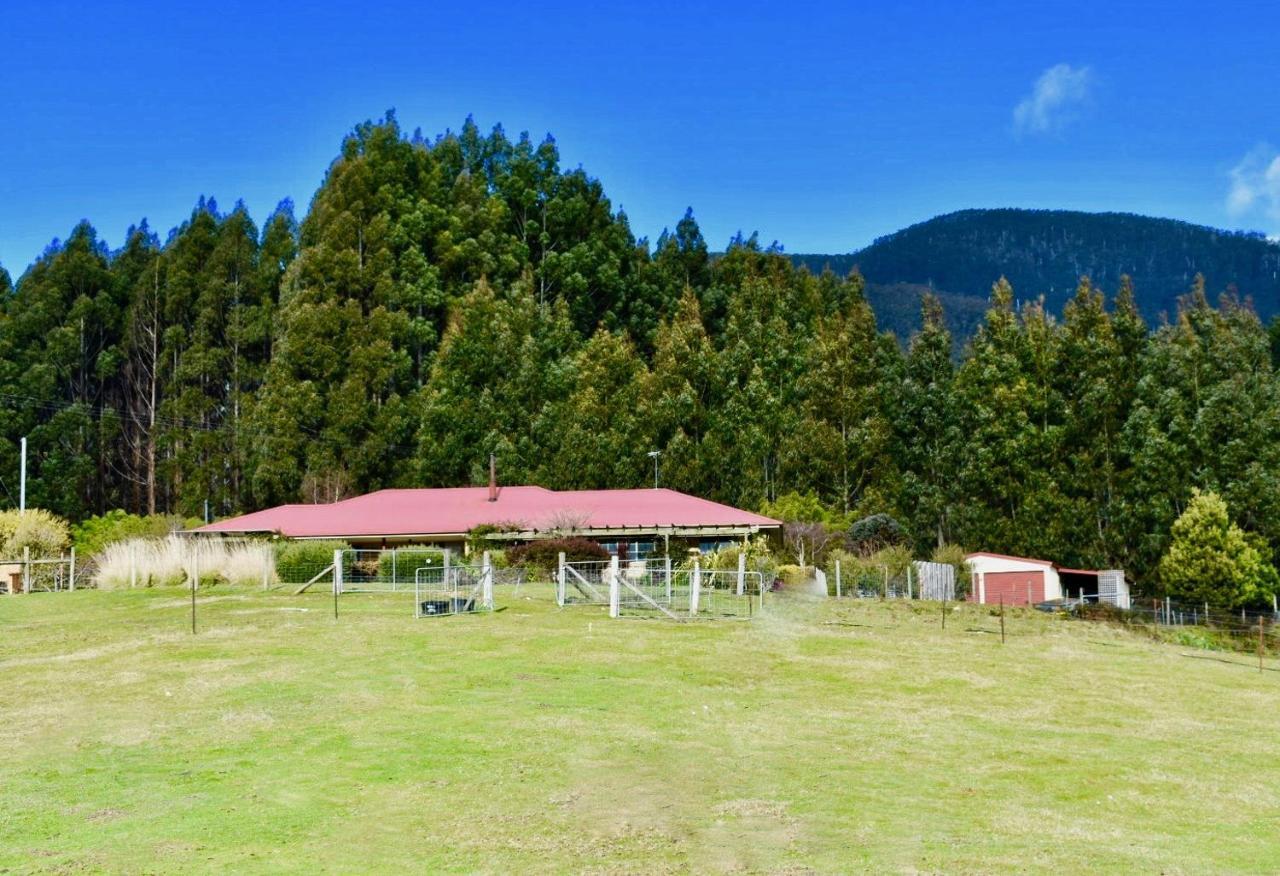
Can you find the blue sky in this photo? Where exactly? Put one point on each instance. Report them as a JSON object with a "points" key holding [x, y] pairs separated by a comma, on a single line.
{"points": [[820, 125]]}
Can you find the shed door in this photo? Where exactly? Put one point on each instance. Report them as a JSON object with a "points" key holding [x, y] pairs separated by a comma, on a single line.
{"points": [[1014, 587]]}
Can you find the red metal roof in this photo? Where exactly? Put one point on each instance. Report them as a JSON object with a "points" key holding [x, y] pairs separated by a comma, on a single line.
{"points": [[460, 509]]}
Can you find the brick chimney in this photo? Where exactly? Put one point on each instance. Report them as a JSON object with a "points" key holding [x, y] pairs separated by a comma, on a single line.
{"points": [[493, 478]]}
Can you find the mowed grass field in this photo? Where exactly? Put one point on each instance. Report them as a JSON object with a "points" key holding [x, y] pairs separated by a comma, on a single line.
{"points": [[821, 737]]}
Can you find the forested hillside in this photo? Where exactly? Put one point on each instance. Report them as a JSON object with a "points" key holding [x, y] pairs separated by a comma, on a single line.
{"points": [[447, 298], [1045, 252]]}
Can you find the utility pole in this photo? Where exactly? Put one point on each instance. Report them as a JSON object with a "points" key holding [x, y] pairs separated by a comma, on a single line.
{"points": [[22, 480]]}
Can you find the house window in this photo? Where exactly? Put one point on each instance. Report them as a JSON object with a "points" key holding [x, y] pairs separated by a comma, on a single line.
{"points": [[630, 550]]}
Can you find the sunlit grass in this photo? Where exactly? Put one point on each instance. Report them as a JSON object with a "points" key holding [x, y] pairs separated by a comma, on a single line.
{"points": [[820, 737]]}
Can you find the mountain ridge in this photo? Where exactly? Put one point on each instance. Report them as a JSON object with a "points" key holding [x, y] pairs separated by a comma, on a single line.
{"points": [[959, 255]]}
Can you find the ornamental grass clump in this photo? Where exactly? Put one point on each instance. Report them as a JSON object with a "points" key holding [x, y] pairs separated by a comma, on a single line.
{"points": [[174, 561]]}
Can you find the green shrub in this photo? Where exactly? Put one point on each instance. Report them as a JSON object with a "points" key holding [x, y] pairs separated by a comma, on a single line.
{"points": [[95, 533], [792, 575], [896, 558], [849, 564], [544, 555], [759, 558], [45, 534], [874, 533], [1211, 559], [297, 562], [408, 560]]}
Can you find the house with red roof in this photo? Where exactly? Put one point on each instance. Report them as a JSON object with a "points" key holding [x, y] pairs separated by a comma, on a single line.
{"points": [[630, 523]]}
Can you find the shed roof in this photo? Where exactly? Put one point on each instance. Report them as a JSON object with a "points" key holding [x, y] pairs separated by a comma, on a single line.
{"points": [[457, 510], [1008, 557], [1049, 563]]}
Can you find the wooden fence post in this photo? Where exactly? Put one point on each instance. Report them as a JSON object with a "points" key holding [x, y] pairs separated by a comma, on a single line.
{"points": [[1261, 644], [615, 593], [195, 582], [1002, 619], [337, 580], [486, 581], [71, 575], [839, 593]]}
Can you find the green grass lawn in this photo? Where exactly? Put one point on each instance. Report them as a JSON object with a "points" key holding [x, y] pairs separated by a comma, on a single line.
{"points": [[820, 737]]}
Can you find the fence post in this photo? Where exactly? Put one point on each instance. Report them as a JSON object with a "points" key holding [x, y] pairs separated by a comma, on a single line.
{"points": [[195, 583], [742, 571], [1260, 642], [695, 587], [1001, 618], [26, 569], [486, 580], [838, 591], [560, 580], [71, 575], [666, 563], [614, 595], [1275, 607], [944, 614], [884, 592], [337, 580], [909, 568]]}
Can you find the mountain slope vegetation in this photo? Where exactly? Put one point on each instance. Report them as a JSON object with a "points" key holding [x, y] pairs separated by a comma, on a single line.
{"points": [[1046, 252]]}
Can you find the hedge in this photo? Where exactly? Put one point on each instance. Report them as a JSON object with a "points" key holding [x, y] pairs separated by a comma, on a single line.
{"points": [[545, 555], [297, 562]]}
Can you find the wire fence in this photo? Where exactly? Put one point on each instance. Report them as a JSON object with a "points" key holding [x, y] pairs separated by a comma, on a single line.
{"points": [[659, 588], [455, 590], [27, 574], [864, 581]]}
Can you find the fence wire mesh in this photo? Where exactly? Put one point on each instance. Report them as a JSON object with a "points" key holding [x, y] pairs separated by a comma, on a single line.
{"points": [[48, 575], [659, 588], [455, 590]]}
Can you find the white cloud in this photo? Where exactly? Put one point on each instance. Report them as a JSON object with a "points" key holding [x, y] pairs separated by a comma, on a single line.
{"points": [[1255, 186], [1054, 100]]}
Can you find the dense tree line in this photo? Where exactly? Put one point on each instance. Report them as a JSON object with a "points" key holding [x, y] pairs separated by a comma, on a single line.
{"points": [[450, 298]]}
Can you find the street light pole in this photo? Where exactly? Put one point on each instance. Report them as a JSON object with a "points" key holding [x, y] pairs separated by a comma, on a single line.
{"points": [[654, 454]]}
